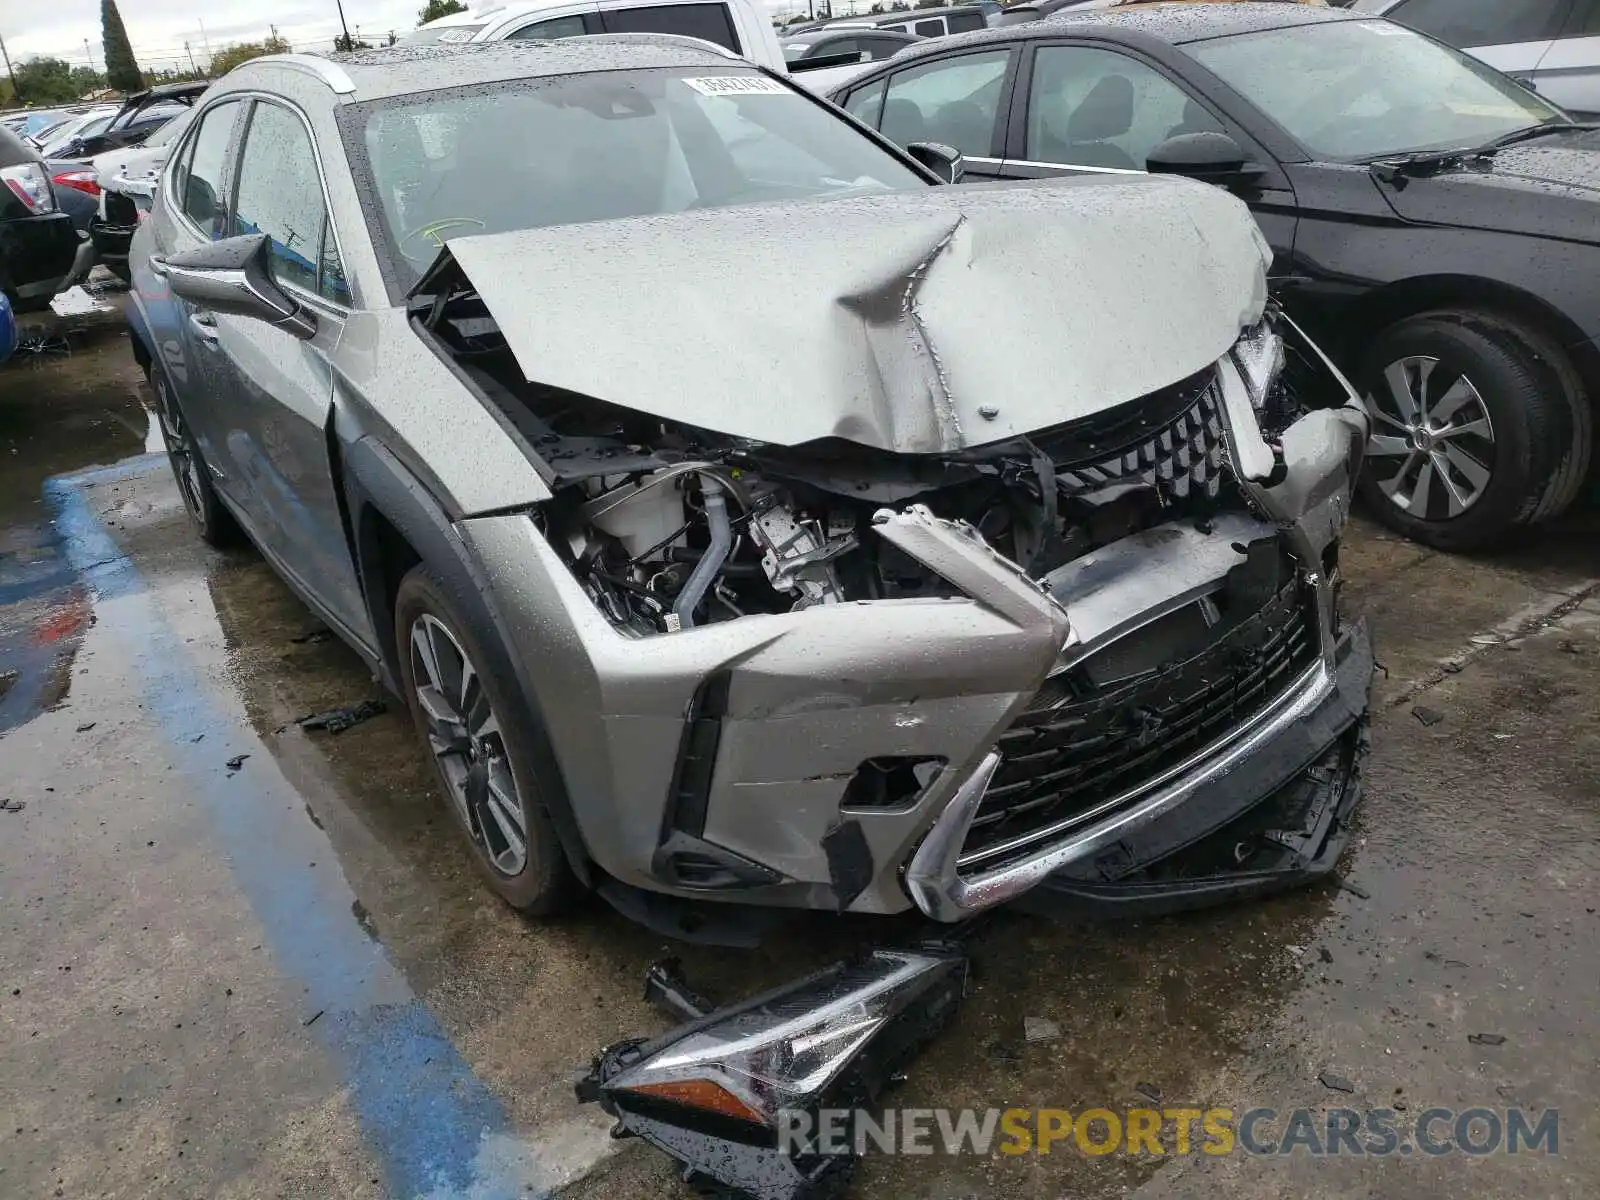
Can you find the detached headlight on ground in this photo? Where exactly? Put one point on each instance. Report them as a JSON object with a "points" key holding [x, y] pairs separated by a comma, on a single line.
{"points": [[723, 1094]]}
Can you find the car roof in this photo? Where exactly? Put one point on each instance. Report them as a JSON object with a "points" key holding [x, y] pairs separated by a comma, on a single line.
{"points": [[845, 29], [428, 66]]}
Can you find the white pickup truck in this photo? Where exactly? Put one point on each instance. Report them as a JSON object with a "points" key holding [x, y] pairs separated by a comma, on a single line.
{"points": [[741, 26]]}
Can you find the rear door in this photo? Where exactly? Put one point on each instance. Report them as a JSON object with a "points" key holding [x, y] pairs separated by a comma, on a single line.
{"points": [[1511, 35], [956, 99], [1569, 73], [194, 213], [280, 386]]}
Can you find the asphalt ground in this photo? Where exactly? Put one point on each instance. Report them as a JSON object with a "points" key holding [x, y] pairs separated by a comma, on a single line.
{"points": [[284, 978]]}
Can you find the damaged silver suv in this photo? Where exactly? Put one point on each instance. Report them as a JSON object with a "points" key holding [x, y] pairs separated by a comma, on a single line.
{"points": [[751, 523]]}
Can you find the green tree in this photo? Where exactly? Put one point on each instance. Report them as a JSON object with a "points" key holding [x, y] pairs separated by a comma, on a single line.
{"points": [[231, 56], [435, 9], [86, 80], [122, 72], [45, 81]]}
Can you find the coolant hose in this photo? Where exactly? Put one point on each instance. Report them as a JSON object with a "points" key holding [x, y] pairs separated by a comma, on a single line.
{"points": [[711, 562]]}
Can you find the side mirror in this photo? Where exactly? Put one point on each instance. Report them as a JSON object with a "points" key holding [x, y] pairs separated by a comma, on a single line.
{"points": [[1209, 157], [235, 276], [948, 163]]}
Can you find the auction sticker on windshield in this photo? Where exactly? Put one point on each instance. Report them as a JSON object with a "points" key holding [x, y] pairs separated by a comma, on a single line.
{"points": [[736, 85]]}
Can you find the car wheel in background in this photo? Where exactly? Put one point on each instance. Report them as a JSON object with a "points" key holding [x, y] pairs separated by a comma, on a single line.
{"points": [[1472, 432], [212, 520], [485, 770]]}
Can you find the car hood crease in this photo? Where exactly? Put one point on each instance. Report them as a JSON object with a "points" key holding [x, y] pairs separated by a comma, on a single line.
{"points": [[912, 322]]}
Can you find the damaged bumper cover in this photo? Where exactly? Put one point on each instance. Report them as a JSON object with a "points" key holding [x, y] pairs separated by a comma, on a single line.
{"points": [[726, 762]]}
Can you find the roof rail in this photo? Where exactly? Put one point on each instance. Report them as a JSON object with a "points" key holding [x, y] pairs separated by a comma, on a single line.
{"points": [[331, 73]]}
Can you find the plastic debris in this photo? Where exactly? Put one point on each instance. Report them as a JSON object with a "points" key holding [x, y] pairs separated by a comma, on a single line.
{"points": [[1486, 1039], [337, 720], [1337, 1083], [75, 302], [1037, 1029]]}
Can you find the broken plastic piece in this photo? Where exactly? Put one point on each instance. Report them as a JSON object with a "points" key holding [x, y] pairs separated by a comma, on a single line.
{"points": [[337, 720]]}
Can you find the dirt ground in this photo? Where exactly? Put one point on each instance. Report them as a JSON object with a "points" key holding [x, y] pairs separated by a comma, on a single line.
{"points": [[241, 959]]}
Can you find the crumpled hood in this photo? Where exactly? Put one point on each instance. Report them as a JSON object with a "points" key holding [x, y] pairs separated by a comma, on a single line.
{"points": [[1545, 188], [914, 322]]}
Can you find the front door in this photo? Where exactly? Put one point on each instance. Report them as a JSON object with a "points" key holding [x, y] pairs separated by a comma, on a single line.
{"points": [[281, 385], [1091, 110]]}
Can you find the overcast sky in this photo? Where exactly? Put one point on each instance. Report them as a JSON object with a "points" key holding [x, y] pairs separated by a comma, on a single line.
{"points": [[159, 28]]}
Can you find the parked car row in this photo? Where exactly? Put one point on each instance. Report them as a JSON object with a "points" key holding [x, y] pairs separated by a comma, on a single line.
{"points": [[1432, 223], [96, 161]]}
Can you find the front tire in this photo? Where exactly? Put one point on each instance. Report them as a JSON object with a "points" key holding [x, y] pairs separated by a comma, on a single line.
{"points": [[484, 767], [1470, 428]]}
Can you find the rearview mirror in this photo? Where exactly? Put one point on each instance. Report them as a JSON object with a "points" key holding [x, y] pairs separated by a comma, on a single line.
{"points": [[235, 276], [1209, 157], [946, 162]]}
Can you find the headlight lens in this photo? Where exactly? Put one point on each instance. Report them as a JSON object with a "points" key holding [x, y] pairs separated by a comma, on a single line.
{"points": [[1259, 355], [786, 1051]]}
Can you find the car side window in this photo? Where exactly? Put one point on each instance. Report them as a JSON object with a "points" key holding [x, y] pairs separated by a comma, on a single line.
{"points": [[931, 28], [197, 182], [866, 104], [955, 101], [555, 27], [879, 48], [1483, 22], [280, 195], [965, 22], [711, 22], [838, 46], [1098, 108]]}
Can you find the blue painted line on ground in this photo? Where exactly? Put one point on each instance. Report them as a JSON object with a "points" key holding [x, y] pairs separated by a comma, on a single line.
{"points": [[421, 1109]]}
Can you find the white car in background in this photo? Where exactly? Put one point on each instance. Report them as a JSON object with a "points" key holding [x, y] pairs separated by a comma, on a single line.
{"points": [[740, 26], [127, 178], [1551, 46]]}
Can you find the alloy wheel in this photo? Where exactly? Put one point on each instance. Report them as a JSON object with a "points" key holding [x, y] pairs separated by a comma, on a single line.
{"points": [[186, 466], [465, 737], [1432, 446]]}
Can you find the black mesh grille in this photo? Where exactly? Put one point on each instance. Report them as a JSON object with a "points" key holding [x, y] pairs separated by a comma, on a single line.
{"points": [[1069, 754], [1185, 458]]}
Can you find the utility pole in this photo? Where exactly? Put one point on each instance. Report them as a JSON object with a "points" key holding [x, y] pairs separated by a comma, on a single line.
{"points": [[190, 53], [16, 92], [342, 25]]}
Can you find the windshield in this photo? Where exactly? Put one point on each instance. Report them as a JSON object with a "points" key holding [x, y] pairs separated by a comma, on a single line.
{"points": [[61, 137], [568, 149], [1358, 90]]}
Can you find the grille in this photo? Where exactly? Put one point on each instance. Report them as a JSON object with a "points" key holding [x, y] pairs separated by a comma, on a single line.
{"points": [[1068, 755], [1185, 458]]}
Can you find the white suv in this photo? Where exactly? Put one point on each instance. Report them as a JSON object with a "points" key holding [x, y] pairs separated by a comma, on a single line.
{"points": [[1552, 46], [740, 26]]}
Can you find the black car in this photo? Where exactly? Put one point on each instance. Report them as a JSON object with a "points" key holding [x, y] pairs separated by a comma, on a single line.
{"points": [[142, 114], [37, 241], [875, 44], [1433, 223]]}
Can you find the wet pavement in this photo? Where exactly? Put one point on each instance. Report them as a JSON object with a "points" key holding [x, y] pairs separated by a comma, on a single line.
{"points": [[283, 977]]}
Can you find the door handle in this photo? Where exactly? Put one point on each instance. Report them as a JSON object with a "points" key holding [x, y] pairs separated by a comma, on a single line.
{"points": [[204, 326]]}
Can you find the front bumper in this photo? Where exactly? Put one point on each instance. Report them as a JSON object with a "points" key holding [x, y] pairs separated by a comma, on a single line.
{"points": [[717, 764], [1107, 865]]}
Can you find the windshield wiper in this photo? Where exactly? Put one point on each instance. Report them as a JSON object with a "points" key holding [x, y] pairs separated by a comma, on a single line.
{"points": [[1390, 165]]}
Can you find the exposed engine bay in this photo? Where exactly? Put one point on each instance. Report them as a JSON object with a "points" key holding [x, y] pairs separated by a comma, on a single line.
{"points": [[669, 526]]}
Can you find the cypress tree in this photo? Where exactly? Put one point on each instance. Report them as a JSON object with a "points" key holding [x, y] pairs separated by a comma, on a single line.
{"points": [[122, 72]]}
